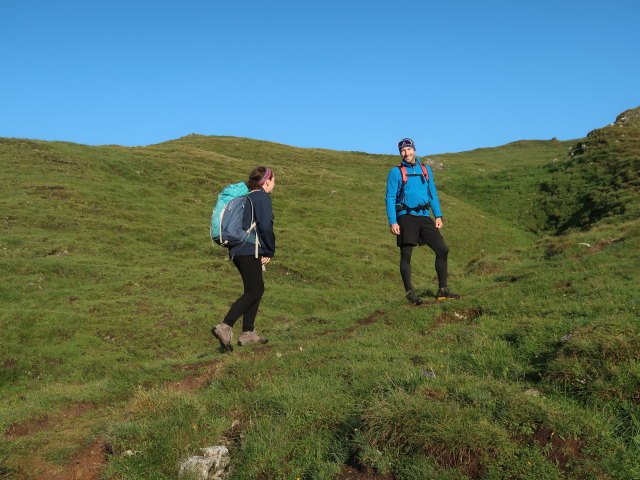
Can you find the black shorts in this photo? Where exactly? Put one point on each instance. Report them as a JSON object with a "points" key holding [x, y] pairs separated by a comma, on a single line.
{"points": [[417, 230]]}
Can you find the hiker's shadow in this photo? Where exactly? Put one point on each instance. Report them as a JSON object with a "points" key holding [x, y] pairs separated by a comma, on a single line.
{"points": [[219, 350], [427, 294]]}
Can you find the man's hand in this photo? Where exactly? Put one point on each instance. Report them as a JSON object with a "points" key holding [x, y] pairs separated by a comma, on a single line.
{"points": [[265, 260], [438, 223], [395, 229]]}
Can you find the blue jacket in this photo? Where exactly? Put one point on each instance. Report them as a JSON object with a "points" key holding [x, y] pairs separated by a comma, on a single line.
{"points": [[263, 216], [416, 193]]}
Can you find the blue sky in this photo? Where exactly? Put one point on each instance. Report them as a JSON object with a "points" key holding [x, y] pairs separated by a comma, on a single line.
{"points": [[343, 75]]}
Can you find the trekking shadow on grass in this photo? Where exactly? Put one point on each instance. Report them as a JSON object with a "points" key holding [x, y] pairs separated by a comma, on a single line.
{"points": [[216, 350], [427, 294]]}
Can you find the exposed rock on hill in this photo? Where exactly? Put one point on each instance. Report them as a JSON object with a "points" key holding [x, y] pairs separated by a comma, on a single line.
{"points": [[436, 165]]}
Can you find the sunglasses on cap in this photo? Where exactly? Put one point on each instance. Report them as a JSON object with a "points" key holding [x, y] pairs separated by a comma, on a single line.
{"points": [[406, 143]]}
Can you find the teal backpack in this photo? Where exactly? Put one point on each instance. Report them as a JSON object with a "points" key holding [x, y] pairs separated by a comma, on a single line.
{"points": [[227, 217]]}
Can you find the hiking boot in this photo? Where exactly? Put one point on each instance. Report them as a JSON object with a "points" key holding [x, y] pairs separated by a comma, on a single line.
{"points": [[246, 338], [446, 294], [413, 298], [224, 334]]}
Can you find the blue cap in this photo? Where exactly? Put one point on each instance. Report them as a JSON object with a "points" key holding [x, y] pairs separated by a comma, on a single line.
{"points": [[406, 142]]}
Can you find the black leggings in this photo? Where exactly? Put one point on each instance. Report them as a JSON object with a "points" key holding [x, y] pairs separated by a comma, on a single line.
{"points": [[441, 250], [250, 269]]}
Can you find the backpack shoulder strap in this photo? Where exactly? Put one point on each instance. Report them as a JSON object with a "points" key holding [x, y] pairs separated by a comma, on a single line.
{"points": [[253, 225], [425, 173], [403, 171]]}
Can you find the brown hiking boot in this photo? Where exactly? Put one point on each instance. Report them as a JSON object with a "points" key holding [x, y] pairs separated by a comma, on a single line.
{"points": [[224, 334], [246, 338]]}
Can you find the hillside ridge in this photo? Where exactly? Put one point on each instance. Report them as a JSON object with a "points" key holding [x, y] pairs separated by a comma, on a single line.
{"points": [[110, 287]]}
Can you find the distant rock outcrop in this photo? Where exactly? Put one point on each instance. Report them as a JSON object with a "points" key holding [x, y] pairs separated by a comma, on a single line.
{"points": [[629, 118], [434, 164]]}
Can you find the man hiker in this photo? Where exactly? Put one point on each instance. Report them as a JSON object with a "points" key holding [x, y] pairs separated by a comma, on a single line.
{"points": [[411, 192]]}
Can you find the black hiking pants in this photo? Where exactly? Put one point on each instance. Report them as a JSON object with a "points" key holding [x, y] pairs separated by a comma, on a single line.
{"points": [[417, 230], [250, 269]]}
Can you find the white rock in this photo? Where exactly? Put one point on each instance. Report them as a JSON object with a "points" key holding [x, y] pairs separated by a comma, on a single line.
{"points": [[220, 455], [211, 466], [196, 468]]}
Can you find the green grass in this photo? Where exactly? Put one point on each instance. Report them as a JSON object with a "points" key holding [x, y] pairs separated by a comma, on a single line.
{"points": [[110, 286], [504, 182], [599, 181]]}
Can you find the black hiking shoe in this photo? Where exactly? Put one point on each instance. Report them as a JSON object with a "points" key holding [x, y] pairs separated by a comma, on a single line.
{"points": [[413, 298], [446, 294]]}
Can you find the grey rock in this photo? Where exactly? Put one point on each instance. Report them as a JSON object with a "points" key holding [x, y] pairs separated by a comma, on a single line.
{"points": [[212, 465], [196, 468]]}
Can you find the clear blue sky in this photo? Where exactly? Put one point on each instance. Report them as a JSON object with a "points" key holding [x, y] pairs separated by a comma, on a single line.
{"points": [[344, 75]]}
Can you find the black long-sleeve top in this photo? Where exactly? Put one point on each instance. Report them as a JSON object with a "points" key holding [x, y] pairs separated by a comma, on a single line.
{"points": [[263, 216]]}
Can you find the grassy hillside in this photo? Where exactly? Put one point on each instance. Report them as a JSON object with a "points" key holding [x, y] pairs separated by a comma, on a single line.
{"points": [[505, 181], [600, 178], [111, 285], [553, 186]]}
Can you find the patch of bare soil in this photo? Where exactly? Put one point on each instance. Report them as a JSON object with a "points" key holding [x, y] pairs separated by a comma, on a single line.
{"points": [[425, 303], [36, 425], [604, 243], [329, 331], [564, 449], [86, 464], [599, 246], [364, 473], [458, 316], [370, 319], [204, 372], [431, 394], [470, 463], [9, 363]]}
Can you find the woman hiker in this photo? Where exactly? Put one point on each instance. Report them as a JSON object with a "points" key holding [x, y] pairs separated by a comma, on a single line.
{"points": [[261, 183]]}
